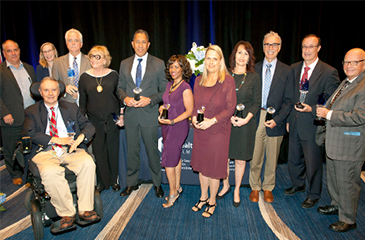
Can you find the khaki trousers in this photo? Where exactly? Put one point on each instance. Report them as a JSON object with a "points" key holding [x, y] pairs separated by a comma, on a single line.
{"points": [[53, 179], [270, 145]]}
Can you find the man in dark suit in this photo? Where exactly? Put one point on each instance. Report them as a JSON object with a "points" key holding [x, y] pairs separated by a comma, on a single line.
{"points": [[15, 80], [45, 123], [75, 59], [345, 138], [278, 93], [322, 78], [148, 73]]}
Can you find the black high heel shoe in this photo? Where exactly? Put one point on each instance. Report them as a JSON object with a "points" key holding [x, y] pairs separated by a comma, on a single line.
{"points": [[209, 214], [196, 206]]}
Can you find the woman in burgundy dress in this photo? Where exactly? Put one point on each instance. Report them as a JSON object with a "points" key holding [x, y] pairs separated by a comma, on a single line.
{"points": [[179, 97], [214, 92]]}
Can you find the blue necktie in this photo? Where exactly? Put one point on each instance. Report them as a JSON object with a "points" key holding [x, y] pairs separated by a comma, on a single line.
{"points": [[139, 73], [267, 84], [77, 75]]}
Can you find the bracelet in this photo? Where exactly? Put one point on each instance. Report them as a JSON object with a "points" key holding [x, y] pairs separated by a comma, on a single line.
{"points": [[172, 123]]}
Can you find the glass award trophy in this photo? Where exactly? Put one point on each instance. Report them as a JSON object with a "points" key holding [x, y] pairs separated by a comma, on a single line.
{"points": [[239, 109], [137, 91], [269, 114], [71, 128], [71, 76], [321, 103], [115, 117], [200, 117], [303, 89], [165, 111]]}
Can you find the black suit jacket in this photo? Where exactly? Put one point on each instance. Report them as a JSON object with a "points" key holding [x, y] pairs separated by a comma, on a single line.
{"points": [[36, 118], [281, 96], [324, 78], [11, 99]]}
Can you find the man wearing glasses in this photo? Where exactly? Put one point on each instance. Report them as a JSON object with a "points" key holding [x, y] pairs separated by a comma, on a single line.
{"points": [[304, 157], [74, 61], [345, 130], [278, 93]]}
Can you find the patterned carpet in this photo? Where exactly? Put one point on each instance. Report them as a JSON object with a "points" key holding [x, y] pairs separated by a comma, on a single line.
{"points": [[141, 216]]}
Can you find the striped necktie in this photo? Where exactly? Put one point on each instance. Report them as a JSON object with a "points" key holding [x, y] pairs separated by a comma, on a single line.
{"points": [[338, 93], [267, 84], [53, 127], [77, 74]]}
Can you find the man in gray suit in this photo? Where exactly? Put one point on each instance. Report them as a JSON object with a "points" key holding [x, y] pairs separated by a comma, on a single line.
{"points": [[345, 138], [277, 92], [75, 60], [15, 80], [148, 73]]}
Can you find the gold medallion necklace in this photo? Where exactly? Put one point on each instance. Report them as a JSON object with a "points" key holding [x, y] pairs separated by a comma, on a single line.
{"points": [[99, 88]]}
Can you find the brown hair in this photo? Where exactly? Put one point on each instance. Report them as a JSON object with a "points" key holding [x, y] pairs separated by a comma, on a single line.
{"points": [[183, 63], [251, 60]]}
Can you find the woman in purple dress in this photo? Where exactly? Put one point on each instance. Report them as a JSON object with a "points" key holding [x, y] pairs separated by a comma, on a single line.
{"points": [[178, 98], [215, 92]]}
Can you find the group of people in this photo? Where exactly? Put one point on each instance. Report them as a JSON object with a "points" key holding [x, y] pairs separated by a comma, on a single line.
{"points": [[247, 109]]}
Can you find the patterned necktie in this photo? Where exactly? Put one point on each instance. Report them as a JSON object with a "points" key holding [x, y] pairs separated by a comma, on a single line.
{"points": [[53, 127], [139, 73], [338, 93], [267, 84], [77, 75], [305, 75]]}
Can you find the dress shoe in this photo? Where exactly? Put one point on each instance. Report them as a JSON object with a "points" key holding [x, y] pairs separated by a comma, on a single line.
{"points": [[254, 196], [171, 199], [268, 197], [89, 216], [293, 190], [222, 196], [116, 187], [158, 191], [236, 204], [128, 190], [342, 226], [328, 210], [99, 188], [309, 203], [17, 181], [67, 222], [201, 203], [207, 213]]}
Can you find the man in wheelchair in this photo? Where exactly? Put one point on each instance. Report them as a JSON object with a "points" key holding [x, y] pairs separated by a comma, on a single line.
{"points": [[47, 123]]}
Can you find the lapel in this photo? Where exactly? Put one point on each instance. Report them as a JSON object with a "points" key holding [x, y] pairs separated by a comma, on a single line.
{"points": [[350, 87], [43, 115], [10, 75], [148, 70], [129, 69], [317, 72], [65, 114], [259, 72], [276, 77]]}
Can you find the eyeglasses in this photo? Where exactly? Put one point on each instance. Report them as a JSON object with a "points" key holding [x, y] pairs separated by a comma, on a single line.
{"points": [[97, 56], [274, 45], [309, 47], [49, 51], [353, 63]]}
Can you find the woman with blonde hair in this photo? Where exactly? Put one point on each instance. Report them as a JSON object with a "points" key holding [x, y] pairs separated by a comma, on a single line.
{"points": [[47, 54], [214, 93]]}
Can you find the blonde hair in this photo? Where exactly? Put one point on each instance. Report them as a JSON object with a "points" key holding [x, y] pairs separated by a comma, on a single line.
{"points": [[104, 52], [42, 60], [222, 72]]}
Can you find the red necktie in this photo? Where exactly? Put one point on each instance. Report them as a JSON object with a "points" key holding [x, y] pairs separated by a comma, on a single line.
{"points": [[305, 75], [53, 128]]}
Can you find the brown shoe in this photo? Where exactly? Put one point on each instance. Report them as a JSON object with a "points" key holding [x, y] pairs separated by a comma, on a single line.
{"points": [[17, 181], [254, 196], [67, 222], [89, 216], [268, 197]]}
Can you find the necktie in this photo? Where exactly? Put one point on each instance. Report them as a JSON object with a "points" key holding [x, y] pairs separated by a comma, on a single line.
{"points": [[53, 127], [305, 75], [338, 93], [77, 75], [139, 73], [267, 84]]}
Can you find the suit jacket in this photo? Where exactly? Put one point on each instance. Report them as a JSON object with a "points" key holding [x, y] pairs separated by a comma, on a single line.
{"points": [[36, 119], [281, 96], [345, 132], [60, 67], [153, 86], [42, 72], [11, 99], [324, 78]]}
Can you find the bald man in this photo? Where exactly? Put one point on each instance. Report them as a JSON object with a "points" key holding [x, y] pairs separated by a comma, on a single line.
{"points": [[345, 137]]}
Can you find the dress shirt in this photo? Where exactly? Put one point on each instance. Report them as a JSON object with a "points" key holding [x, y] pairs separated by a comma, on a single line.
{"points": [[71, 61], [61, 127], [310, 71], [23, 79], [135, 64]]}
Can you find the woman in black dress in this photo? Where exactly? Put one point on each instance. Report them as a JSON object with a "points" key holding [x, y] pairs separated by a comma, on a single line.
{"points": [[98, 100]]}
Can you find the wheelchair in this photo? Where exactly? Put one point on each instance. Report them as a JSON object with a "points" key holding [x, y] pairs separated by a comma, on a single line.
{"points": [[37, 201]]}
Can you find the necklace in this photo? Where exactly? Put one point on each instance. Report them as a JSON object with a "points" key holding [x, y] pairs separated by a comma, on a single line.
{"points": [[99, 88], [242, 82], [173, 86]]}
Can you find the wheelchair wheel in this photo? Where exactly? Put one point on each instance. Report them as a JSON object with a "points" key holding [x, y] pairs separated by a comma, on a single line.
{"points": [[98, 204], [37, 224], [29, 197]]}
